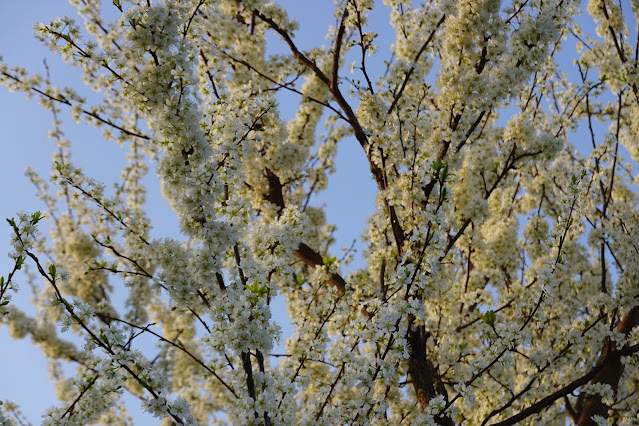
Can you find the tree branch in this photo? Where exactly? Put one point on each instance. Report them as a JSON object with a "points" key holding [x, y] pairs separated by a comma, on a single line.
{"points": [[606, 364], [610, 372]]}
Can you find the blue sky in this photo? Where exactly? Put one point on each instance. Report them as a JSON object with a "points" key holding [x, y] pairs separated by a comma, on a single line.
{"points": [[23, 129]]}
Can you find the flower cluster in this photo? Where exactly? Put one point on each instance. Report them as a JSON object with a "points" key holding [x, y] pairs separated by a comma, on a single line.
{"points": [[497, 274]]}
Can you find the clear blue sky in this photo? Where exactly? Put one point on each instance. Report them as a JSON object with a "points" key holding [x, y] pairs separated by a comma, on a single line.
{"points": [[23, 135]]}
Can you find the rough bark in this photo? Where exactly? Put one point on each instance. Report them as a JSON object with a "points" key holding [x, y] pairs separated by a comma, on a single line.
{"points": [[591, 405], [422, 372]]}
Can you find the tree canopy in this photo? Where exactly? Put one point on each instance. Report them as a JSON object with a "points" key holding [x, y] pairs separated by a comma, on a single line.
{"points": [[500, 267]]}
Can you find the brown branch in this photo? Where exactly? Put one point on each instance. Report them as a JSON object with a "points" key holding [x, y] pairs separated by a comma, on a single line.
{"points": [[364, 48], [283, 85], [422, 372], [65, 101], [275, 194], [177, 346], [358, 130], [547, 401], [248, 369], [313, 259], [304, 253], [618, 47], [96, 339], [399, 93], [611, 357], [536, 376], [610, 372], [86, 387], [337, 49]]}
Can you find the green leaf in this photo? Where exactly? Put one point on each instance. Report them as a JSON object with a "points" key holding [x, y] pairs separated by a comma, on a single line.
{"points": [[437, 165], [300, 280], [489, 318], [52, 270], [329, 260], [37, 217], [4, 303], [257, 289], [19, 262], [443, 174]]}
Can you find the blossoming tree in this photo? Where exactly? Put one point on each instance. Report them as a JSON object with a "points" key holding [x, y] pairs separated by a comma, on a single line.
{"points": [[502, 262]]}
